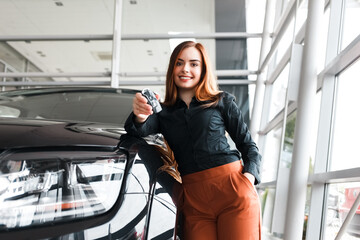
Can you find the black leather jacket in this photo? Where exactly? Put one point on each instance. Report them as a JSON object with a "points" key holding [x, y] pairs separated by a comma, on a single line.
{"points": [[197, 135]]}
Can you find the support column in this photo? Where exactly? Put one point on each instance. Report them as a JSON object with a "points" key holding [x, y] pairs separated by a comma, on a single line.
{"points": [[115, 64], [304, 125], [260, 81]]}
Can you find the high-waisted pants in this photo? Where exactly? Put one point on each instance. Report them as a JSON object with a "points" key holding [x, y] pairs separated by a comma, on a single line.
{"points": [[220, 203]]}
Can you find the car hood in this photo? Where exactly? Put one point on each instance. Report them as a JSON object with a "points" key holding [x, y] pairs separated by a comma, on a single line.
{"points": [[16, 133]]}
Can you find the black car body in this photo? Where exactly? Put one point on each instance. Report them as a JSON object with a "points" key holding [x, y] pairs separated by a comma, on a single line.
{"points": [[68, 170]]}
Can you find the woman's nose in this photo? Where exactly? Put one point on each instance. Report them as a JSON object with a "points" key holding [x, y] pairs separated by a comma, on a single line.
{"points": [[186, 68]]}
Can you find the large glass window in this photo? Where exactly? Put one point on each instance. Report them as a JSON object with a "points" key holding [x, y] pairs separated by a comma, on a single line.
{"points": [[287, 151], [11, 57], [278, 95], [285, 41], [307, 210], [347, 117], [351, 20], [267, 200], [314, 135], [340, 199], [12, 61], [255, 13], [323, 40], [271, 155], [253, 47], [10, 79], [301, 15], [286, 154]]}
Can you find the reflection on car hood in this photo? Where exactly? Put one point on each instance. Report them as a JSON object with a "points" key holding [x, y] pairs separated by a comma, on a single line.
{"points": [[37, 133]]}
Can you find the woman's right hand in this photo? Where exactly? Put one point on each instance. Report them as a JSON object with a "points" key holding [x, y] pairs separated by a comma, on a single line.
{"points": [[141, 108]]}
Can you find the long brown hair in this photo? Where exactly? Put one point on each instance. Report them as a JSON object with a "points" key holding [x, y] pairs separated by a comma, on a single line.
{"points": [[206, 90], [170, 165]]}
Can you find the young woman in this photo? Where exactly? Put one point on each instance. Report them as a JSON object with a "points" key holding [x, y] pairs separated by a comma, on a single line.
{"points": [[219, 199]]}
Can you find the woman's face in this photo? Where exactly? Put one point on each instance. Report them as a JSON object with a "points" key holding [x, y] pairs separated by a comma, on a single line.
{"points": [[188, 67]]}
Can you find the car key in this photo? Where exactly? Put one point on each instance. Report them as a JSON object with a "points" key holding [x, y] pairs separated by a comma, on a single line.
{"points": [[152, 100]]}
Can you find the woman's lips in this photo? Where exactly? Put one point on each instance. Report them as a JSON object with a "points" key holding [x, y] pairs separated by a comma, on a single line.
{"points": [[185, 79]]}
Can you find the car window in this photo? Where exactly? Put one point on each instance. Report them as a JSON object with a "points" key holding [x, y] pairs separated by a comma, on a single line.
{"points": [[9, 112], [90, 106]]}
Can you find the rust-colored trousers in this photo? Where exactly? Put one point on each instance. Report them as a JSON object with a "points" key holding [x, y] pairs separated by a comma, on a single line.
{"points": [[220, 204]]}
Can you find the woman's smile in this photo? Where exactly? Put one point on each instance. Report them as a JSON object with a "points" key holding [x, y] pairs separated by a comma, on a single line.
{"points": [[185, 78]]}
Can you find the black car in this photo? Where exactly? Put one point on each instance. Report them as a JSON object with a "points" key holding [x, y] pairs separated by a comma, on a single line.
{"points": [[68, 170]]}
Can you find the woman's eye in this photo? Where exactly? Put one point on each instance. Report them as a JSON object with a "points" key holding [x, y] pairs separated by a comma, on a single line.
{"points": [[194, 64], [178, 64]]}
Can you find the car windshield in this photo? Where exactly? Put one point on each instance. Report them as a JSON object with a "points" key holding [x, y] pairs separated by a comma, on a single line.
{"points": [[102, 105]]}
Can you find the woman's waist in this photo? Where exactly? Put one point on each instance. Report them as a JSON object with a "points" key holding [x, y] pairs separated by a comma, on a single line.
{"points": [[210, 173]]}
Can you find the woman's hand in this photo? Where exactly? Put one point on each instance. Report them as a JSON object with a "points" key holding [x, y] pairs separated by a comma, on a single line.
{"points": [[141, 108], [250, 177]]}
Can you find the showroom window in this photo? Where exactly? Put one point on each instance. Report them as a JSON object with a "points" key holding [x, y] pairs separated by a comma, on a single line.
{"points": [[351, 19], [340, 199], [347, 117], [271, 155], [287, 150], [278, 94]]}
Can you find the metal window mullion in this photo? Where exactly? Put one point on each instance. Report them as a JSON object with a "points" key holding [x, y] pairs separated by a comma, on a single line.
{"points": [[306, 95], [266, 127], [278, 119], [260, 80], [266, 101], [278, 33], [219, 73], [109, 37], [282, 63], [318, 206], [216, 35], [287, 55], [107, 83], [292, 57], [339, 176], [280, 66], [341, 61], [286, 17], [44, 74], [116, 44]]}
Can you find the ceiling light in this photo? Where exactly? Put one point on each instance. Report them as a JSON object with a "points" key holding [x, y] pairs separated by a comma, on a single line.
{"points": [[59, 4], [102, 56]]}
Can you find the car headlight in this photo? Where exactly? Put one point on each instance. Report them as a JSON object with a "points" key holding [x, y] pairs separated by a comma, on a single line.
{"points": [[48, 186]]}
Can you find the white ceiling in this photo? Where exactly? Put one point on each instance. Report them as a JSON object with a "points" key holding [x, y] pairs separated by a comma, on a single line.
{"points": [[94, 17], [32, 18]]}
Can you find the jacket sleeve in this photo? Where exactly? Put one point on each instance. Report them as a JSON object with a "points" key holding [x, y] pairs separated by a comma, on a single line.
{"points": [[150, 126], [240, 134]]}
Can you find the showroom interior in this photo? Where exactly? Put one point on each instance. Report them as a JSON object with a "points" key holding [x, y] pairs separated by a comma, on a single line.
{"points": [[293, 66]]}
